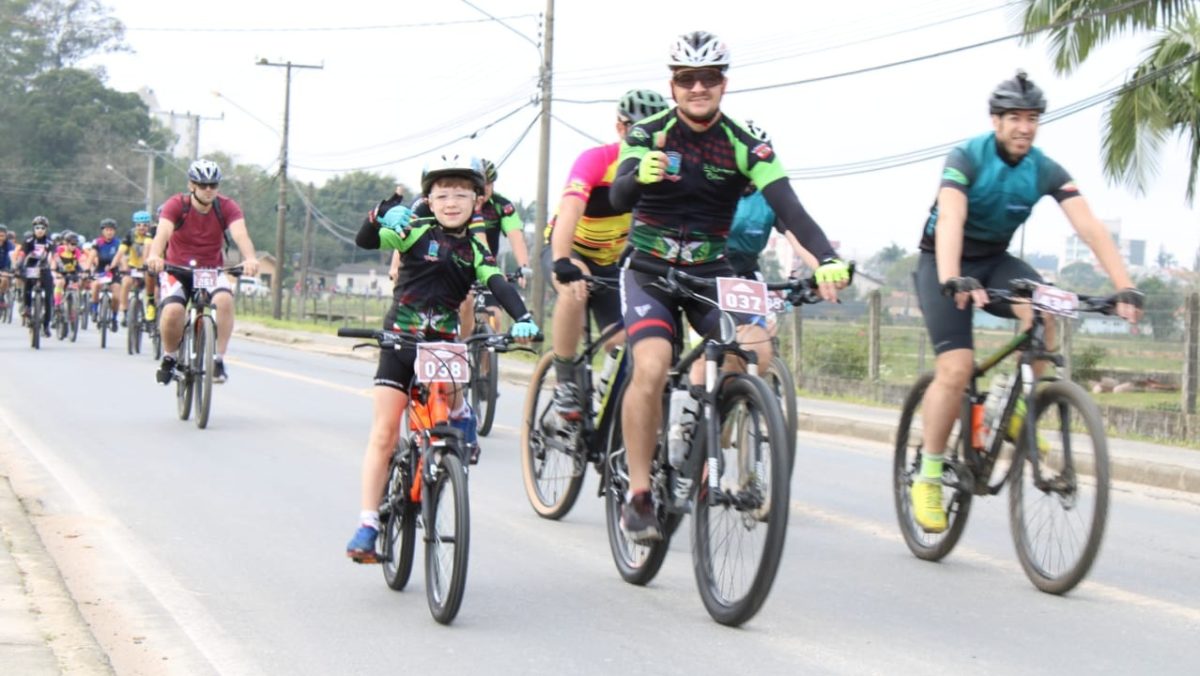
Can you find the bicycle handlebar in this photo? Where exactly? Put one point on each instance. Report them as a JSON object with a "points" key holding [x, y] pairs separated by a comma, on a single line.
{"points": [[802, 291], [1021, 291], [235, 270], [392, 339]]}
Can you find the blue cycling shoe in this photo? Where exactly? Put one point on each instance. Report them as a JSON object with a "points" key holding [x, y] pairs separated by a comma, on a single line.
{"points": [[361, 548]]}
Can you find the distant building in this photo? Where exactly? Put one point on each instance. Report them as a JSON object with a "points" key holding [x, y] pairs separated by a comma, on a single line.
{"points": [[1133, 251]]}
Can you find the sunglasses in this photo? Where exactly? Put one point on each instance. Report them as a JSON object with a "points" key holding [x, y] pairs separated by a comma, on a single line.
{"points": [[39, 227], [207, 186], [707, 77]]}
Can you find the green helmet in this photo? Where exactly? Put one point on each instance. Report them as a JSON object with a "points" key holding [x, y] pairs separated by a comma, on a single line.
{"points": [[489, 171], [638, 104]]}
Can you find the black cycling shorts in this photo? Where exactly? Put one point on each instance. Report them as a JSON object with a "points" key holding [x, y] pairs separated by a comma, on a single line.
{"points": [[650, 312], [604, 302], [396, 368], [950, 328]]}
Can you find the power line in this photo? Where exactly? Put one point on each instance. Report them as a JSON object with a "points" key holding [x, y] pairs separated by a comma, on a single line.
{"points": [[320, 29], [577, 130], [520, 138]]}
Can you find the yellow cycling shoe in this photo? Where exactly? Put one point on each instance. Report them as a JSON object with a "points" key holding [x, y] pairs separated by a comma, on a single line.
{"points": [[1014, 429], [150, 313], [927, 507]]}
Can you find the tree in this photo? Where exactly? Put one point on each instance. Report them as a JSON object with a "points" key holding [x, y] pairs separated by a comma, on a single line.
{"points": [[1081, 277], [899, 274], [1161, 97], [1165, 259], [1163, 301], [885, 258]]}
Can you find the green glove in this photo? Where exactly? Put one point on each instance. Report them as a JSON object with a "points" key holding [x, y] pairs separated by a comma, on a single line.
{"points": [[833, 270], [652, 167]]}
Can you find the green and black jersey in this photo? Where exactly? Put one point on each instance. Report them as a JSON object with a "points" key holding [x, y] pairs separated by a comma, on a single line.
{"points": [[686, 217]]}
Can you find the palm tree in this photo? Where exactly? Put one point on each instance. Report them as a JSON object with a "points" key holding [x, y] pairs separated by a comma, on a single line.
{"points": [[1160, 98]]}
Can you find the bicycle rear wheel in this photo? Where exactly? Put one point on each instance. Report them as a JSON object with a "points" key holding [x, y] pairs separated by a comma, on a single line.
{"points": [[553, 478], [447, 539], [398, 517], [779, 379], [36, 318], [637, 563], [183, 379], [1057, 529], [484, 383], [738, 541], [906, 466], [206, 345]]}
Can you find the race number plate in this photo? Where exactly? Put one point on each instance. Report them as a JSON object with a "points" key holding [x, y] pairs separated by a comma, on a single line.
{"points": [[744, 296], [1056, 301], [442, 363], [204, 278]]}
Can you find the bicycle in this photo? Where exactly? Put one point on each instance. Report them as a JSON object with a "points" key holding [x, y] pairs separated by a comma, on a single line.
{"points": [[485, 364], [135, 318], [555, 454], [37, 304], [427, 473], [66, 313], [197, 348], [7, 298], [1038, 483], [734, 474], [106, 319]]}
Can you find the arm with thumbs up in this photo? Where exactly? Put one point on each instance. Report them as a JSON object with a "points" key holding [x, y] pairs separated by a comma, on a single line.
{"points": [[642, 163]]}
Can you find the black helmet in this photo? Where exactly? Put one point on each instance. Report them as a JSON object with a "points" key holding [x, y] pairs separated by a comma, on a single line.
{"points": [[1019, 93], [41, 221], [108, 223]]}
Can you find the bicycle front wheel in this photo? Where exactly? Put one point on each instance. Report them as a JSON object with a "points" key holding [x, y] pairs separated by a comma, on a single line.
{"points": [[35, 321], [552, 477], [484, 384], [906, 467], [72, 301], [447, 539], [738, 534], [105, 320], [398, 518], [206, 345], [133, 320], [1057, 527]]}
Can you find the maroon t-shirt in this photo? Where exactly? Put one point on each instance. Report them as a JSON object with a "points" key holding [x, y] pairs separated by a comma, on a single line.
{"points": [[199, 237]]}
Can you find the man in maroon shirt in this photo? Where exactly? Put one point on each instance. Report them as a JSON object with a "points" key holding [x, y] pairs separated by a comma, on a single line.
{"points": [[193, 224]]}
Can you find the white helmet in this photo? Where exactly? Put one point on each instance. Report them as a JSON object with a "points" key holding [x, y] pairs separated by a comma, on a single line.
{"points": [[757, 132], [204, 171], [698, 49], [452, 164]]}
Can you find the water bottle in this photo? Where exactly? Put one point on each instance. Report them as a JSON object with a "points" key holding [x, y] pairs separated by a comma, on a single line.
{"points": [[994, 406], [606, 373], [682, 420]]}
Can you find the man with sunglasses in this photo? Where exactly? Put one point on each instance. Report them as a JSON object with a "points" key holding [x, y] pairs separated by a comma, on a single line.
{"points": [[104, 265], [193, 224], [682, 173], [35, 258]]}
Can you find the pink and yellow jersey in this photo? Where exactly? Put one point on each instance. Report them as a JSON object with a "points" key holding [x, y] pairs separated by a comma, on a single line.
{"points": [[602, 230]]}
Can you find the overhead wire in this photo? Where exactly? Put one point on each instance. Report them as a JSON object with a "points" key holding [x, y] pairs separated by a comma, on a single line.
{"points": [[320, 29]]}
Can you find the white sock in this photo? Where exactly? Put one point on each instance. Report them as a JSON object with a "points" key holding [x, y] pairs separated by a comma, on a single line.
{"points": [[369, 518], [462, 411], [173, 355]]}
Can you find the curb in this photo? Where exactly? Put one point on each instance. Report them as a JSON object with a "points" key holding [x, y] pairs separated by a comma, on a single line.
{"points": [[41, 630], [1159, 475]]}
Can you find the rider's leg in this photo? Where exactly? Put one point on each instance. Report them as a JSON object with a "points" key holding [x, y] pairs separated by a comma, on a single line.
{"points": [[123, 294], [151, 297], [389, 404], [641, 411], [170, 324], [466, 316], [569, 309], [48, 292]]}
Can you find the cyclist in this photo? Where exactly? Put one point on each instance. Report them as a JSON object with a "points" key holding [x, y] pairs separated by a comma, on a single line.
{"points": [[497, 215], [70, 261], [103, 264], [587, 236], [440, 260], [6, 250], [988, 188], [130, 259], [35, 257], [191, 227], [683, 171]]}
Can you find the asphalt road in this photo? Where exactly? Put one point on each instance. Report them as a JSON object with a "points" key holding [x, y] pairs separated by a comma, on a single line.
{"points": [[222, 549]]}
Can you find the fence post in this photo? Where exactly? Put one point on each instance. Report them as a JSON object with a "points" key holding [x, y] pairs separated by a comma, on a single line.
{"points": [[1191, 353], [875, 309], [1068, 340]]}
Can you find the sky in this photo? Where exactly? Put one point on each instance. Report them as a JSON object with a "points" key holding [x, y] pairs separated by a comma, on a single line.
{"points": [[402, 80]]}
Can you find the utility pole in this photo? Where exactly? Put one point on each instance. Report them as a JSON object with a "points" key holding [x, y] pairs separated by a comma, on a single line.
{"points": [[543, 189], [281, 223], [306, 252]]}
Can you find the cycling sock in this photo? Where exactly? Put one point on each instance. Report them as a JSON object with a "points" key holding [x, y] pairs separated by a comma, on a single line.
{"points": [[173, 356], [463, 411], [564, 369], [931, 466], [369, 518]]}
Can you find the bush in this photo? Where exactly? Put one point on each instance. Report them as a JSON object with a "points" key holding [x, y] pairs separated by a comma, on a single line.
{"points": [[1085, 363], [835, 355]]}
